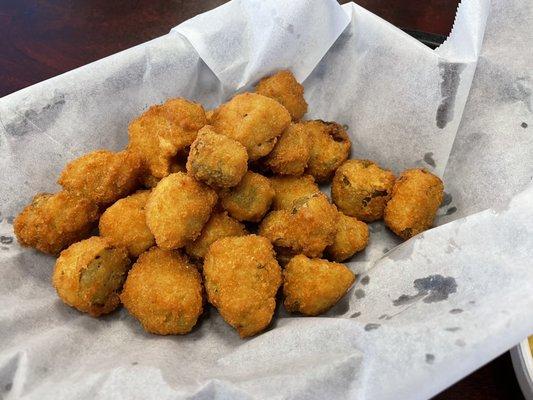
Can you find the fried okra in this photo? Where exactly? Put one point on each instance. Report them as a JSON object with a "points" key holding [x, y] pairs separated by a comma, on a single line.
{"points": [[177, 210], [52, 222], [103, 176], [291, 153], [291, 188], [308, 228], [89, 275], [351, 237], [124, 223], [163, 292], [219, 226], [162, 131], [253, 120], [284, 88], [216, 159], [242, 278], [416, 197], [250, 199], [149, 181], [361, 189], [312, 286], [329, 148]]}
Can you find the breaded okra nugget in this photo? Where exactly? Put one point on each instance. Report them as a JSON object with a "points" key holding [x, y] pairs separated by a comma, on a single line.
{"points": [[291, 153], [217, 159], [149, 181], [313, 286], [89, 275], [164, 292], [250, 199], [124, 223], [103, 176], [177, 210], [253, 120], [330, 147], [219, 226], [284, 88], [416, 197], [351, 237], [53, 222], [308, 228], [291, 188], [242, 278], [361, 189], [162, 131]]}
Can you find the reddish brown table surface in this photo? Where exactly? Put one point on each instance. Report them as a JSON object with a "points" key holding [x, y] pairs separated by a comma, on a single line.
{"points": [[43, 38]]}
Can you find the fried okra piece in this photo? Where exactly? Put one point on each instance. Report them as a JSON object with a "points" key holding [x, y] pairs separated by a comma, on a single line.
{"points": [[291, 188], [242, 278], [351, 237], [291, 153], [285, 89], [216, 159], [329, 148], [52, 222], [250, 199], [361, 189], [416, 197], [149, 181], [219, 226], [163, 292], [124, 223], [312, 286], [177, 210], [308, 228], [89, 275], [103, 176], [253, 120], [162, 131]]}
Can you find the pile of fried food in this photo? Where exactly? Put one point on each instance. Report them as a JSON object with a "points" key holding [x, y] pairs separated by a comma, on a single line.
{"points": [[210, 179]]}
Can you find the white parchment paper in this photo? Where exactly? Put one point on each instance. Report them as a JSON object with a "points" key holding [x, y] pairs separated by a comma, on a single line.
{"points": [[421, 315]]}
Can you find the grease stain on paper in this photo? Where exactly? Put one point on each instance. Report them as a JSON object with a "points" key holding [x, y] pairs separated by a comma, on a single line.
{"points": [[450, 78], [431, 289]]}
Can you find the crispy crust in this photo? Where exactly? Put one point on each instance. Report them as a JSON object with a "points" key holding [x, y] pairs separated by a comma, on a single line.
{"points": [[361, 189], [52, 222], [291, 188], [242, 278], [313, 286], [416, 197], [291, 153], [177, 210], [351, 237], [164, 292]]}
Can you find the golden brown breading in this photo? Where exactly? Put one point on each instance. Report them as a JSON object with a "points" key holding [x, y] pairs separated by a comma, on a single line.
{"points": [[219, 226], [52, 222], [103, 176], [329, 148], [416, 197], [177, 210], [209, 116], [124, 223], [250, 199], [253, 120], [164, 292], [308, 228], [361, 189], [291, 153], [242, 278], [351, 237], [312, 286], [149, 181], [216, 159], [284, 88], [89, 275], [291, 188], [162, 131]]}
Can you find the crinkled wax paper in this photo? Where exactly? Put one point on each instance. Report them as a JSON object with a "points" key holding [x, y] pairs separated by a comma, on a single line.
{"points": [[422, 314]]}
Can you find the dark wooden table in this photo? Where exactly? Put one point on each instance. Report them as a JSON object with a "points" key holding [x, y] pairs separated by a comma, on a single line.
{"points": [[43, 38]]}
